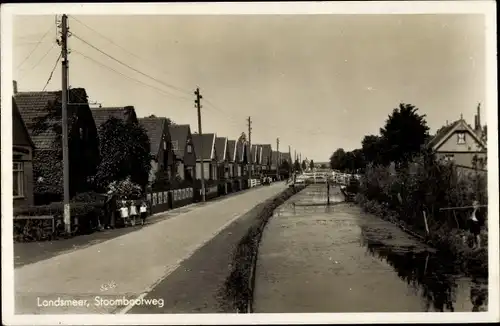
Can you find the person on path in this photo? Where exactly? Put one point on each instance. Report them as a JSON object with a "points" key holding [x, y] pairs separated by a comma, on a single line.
{"points": [[124, 213], [133, 212], [144, 211], [475, 226]]}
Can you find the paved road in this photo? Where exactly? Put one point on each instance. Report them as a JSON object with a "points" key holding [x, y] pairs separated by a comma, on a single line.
{"points": [[129, 266], [339, 259]]}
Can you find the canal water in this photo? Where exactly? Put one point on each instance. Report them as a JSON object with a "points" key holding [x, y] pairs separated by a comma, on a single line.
{"points": [[318, 258]]}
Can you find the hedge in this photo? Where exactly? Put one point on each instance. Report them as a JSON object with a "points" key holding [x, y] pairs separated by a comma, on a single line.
{"points": [[87, 213]]}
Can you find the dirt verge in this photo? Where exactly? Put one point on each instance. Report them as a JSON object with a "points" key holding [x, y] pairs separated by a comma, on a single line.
{"points": [[238, 289]]}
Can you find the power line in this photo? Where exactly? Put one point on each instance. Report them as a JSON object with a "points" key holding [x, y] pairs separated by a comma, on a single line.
{"points": [[117, 45], [128, 77], [51, 73], [132, 68], [34, 49], [41, 59]]}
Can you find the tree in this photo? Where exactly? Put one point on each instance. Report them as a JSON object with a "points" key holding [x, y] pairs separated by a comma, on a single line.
{"points": [[296, 166], [125, 152], [304, 165], [311, 165], [373, 149], [337, 160], [242, 138], [404, 133]]}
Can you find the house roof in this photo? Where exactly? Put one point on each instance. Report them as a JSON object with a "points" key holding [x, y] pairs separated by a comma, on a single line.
{"points": [[220, 148], [266, 152], [233, 151], [207, 141], [179, 133], [242, 146], [154, 128], [15, 112], [34, 106], [101, 115], [445, 132], [253, 153]]}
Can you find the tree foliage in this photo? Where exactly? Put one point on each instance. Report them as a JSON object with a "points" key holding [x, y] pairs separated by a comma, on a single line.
{"points": [[311, 165], [337, 160], [304, 165], [296, 166], [125, 153], [404, 133]]}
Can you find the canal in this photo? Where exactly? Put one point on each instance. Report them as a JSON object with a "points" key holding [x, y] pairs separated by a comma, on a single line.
{"points": [[319, 258]]}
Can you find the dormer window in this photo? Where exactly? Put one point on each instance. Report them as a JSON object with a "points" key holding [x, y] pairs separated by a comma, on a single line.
{"points": [[189, 148], [164, 145], [461, 138]]}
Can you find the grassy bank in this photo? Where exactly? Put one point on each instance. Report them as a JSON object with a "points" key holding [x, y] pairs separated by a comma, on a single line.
{"points": [[238, 288], [449, 242]]}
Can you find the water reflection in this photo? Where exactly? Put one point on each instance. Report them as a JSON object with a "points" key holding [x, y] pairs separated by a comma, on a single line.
{"points": [[430, 275]]}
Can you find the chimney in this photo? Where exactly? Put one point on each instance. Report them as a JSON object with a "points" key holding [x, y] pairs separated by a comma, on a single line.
{"points": [[14, 84], [479, 117]]}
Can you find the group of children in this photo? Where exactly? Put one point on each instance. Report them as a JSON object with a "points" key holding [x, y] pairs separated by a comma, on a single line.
{"points": [[130, 209]]}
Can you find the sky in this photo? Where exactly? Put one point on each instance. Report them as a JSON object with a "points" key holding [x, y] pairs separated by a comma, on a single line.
{"points": [[316, 82]]}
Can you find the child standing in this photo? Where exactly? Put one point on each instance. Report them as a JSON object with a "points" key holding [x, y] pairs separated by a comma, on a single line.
{"points": [[143, 211], [124, 213], [133, 212]]}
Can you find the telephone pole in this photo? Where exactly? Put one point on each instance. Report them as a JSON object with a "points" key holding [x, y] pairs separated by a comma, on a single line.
{"points": [[198, 107], [291, 163], [277, 158], [250, 161], [64, 99]]}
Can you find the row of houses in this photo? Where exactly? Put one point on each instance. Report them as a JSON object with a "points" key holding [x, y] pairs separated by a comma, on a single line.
{"points": [[178, 152]]}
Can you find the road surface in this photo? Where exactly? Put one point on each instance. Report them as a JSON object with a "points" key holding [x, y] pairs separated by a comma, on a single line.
{"points": [[94, 278], [338, 259]]}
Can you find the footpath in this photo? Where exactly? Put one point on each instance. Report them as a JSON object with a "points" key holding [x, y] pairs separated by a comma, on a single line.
{"points": [[97, 278]]}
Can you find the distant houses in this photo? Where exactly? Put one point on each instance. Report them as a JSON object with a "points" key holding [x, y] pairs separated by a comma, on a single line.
{"points": [[178, 156]]}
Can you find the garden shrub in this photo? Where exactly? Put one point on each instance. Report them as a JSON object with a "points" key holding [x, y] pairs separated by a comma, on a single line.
{"points": [[86, 213], [427, 185]]}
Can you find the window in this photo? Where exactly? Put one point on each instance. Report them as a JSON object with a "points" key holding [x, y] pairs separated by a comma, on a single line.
{"points": [[189, 148], [175, 145], [449, 157], [461, 138], [164, 145], [18, 179]]}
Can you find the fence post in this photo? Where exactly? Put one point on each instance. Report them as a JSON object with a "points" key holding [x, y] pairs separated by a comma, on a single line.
{"points": [[425, 221]]}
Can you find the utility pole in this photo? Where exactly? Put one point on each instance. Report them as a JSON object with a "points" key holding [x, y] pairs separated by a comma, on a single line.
{"points": [[250, 161], [64, 99], [291, 163], [202, 168], [277, 158]]}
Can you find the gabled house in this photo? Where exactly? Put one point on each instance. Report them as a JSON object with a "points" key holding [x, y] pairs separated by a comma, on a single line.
{"points": [[222, 153], [233, 164], [243, 166], [256, 154], [460, 143], [161, 147], [275, 161], [41, 113], [184, 152], [126, 113], [22, 160], [266, 157], [206, 156]]}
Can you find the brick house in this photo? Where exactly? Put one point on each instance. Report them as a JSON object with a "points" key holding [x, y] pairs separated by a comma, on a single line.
{"points": [[184, 152], [161, 147], [222, 153], [41, 113], [206, 159]]}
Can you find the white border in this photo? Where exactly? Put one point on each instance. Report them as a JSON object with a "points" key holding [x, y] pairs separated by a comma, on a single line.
{"points": [[467, 7]]}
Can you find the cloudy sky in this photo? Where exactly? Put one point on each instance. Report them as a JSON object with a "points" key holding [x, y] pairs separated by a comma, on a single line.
{"points": [[317, 82]]}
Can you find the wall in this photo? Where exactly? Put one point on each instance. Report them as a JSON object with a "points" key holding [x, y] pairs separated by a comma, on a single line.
{"points": [[206, 170], [180, 170], [464, 158], [26, 157], [451, 145]]}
